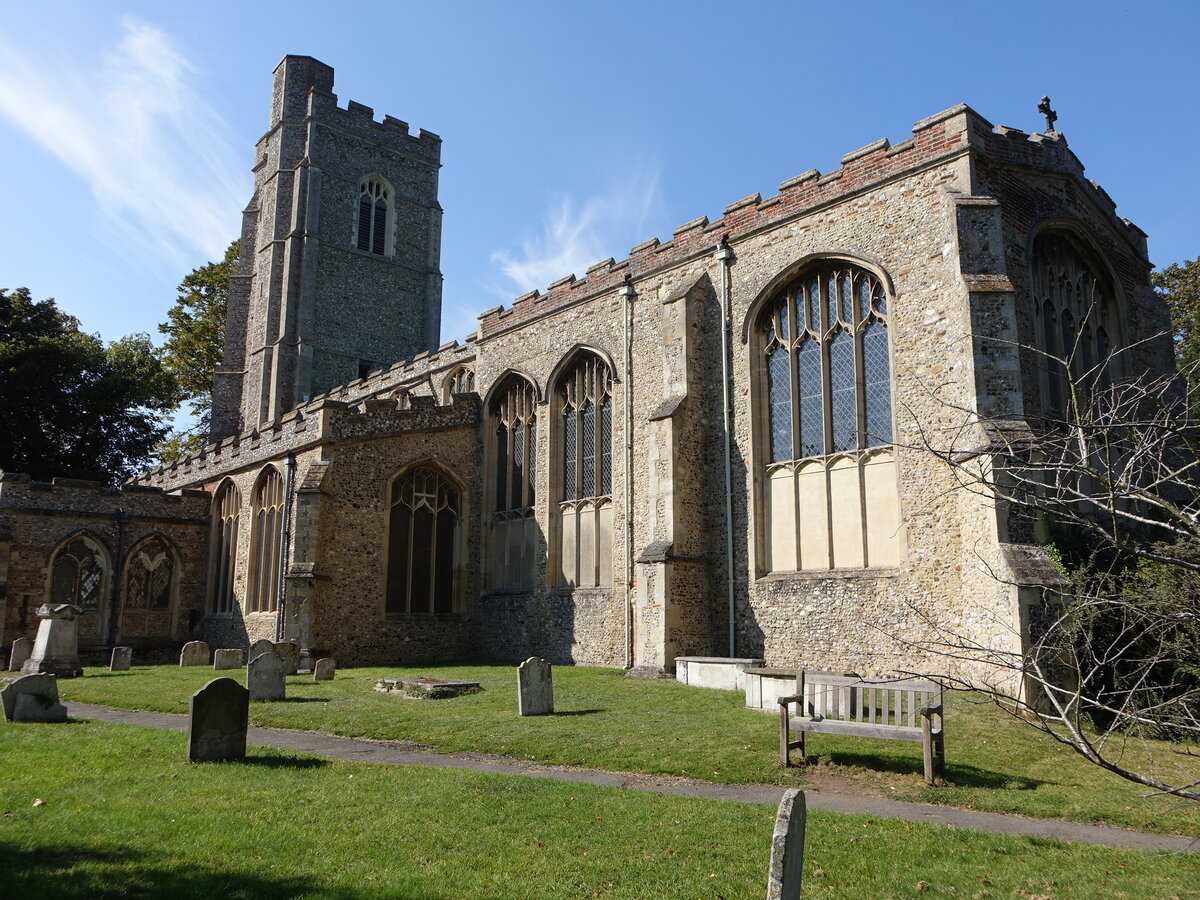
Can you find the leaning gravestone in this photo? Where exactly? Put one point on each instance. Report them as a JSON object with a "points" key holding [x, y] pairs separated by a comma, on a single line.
{"points": [[56, 648], [535, 689], [33, 698], [264, 677], [121, 658], [787, 848], [289, 652], [262, 645], [229, 658], [218, 717], [22, 649], [323, 670], [194, 653]]}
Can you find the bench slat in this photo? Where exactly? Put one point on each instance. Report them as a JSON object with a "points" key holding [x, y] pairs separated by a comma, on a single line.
{"points": [[857, 729]]}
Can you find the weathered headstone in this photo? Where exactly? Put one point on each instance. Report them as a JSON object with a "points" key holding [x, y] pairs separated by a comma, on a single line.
{"points": [[194, 653], [22, 649], [229, 658], [323, 670], [787, 848], [264, 677], [262, 645], [535, 689], [121, 658], [56, 648], [33, 698], [218, 716], [290, 654]]}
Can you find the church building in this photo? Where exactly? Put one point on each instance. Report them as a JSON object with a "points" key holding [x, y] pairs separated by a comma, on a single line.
{"points": [[718, 445]]}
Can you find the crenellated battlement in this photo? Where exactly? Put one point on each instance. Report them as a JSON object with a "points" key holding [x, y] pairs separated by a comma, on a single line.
{"points": [[941, 137], [360, 120]]}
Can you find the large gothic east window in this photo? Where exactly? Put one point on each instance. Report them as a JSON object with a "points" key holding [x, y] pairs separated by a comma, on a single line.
{"points": [[513, 532], [423, 543], [829, 467], [583, 397]]}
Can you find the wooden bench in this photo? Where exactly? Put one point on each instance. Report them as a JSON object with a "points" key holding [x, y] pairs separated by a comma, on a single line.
{"points": [[899, 710]]}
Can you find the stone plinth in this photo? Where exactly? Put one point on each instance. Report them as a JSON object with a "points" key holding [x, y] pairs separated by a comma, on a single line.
{"points": [[721, 672], [427, 688], [535, 688], [56, 649]]}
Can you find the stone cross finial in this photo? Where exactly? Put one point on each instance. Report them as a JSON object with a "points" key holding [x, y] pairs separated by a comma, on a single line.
{"points": [[1051, 115]]}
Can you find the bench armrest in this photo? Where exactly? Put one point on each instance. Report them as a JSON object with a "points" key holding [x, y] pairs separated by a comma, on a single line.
{"points": [[929, 710], [795, 698]]}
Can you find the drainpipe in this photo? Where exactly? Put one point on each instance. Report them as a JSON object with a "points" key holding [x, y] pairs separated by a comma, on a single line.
{"points": [[627, 402], [725, 255], [114, 603], [285, 533]]}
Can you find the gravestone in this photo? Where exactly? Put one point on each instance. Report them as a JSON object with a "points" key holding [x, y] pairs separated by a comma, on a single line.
{"points": [[264, 677], [535, 689], [262, 645], [22, 649], [323, 670], [33, 698], [227, 658], [218, 717], [56, 647], [787, 848], [290, 654], [121, 658], [194, 653]]}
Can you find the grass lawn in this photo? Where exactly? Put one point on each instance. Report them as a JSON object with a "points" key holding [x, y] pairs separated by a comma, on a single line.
{"points": [[605, 720], [125, 815]]}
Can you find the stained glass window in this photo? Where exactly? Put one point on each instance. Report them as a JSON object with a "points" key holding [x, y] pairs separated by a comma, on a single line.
{"points": [[78, 574]]}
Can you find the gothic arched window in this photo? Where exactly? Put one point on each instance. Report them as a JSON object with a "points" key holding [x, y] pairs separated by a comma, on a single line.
{"points": [[423, 543], [832, 499], [79, 574], [1076, 315], [513, 531], [266, 530], [226, 507], [149, 575], [459, 381], [374, 206], [583, 397]]}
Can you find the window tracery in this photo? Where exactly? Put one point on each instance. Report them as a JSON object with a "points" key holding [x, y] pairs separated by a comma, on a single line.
{"points": [[79, 574], [513, 531], [150, 575], [584, 398], [266, 530], [423, 543], [374, 206], [226, 507]]}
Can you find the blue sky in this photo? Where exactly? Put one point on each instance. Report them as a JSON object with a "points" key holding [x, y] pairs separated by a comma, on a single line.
{"points": [[572, 131]]}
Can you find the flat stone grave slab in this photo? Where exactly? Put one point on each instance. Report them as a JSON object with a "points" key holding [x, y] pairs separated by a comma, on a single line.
{"points": [[121, 658], [426, 688], [33, 698]]}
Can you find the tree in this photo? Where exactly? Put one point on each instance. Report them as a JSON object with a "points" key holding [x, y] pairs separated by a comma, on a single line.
{"points": [[1113, 482], [72, 406], [1179, 287], [195, 330]]}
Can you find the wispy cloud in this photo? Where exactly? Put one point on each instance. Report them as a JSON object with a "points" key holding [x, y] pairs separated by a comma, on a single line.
{"points": [[133, 126], [576, 234]]}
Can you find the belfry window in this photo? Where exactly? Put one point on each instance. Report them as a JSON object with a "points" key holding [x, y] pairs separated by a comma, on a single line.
{"points": [[584, 401], [224, 547], [150, 575], [265, 558], [1076, 316], [513, 531], [374, 205], [832, 500], [423, 543]]}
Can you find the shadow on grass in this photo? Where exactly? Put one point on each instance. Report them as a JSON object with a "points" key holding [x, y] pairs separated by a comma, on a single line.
{"points": [[285, 762], [70, 872], [577, 712], [959, 774], [303, 700], [107, 675]]}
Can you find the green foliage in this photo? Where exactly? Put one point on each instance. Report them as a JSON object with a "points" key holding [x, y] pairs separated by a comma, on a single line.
{"points": [[1179, 286], [123, 814], [70, 405], [195, 332]]}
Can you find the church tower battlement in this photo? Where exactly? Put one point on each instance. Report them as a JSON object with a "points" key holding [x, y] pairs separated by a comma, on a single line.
{"points": [[341, 242]]}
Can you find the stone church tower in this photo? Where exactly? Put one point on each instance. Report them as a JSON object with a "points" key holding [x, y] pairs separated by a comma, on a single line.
{"points": [[339, 272]]}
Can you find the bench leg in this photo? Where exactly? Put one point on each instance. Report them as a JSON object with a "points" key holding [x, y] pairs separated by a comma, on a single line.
{"points": [[927, 747], [785, 756]]}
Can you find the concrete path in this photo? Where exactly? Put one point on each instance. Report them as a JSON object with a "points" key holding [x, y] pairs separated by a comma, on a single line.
{"points": [[399, 753]]}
